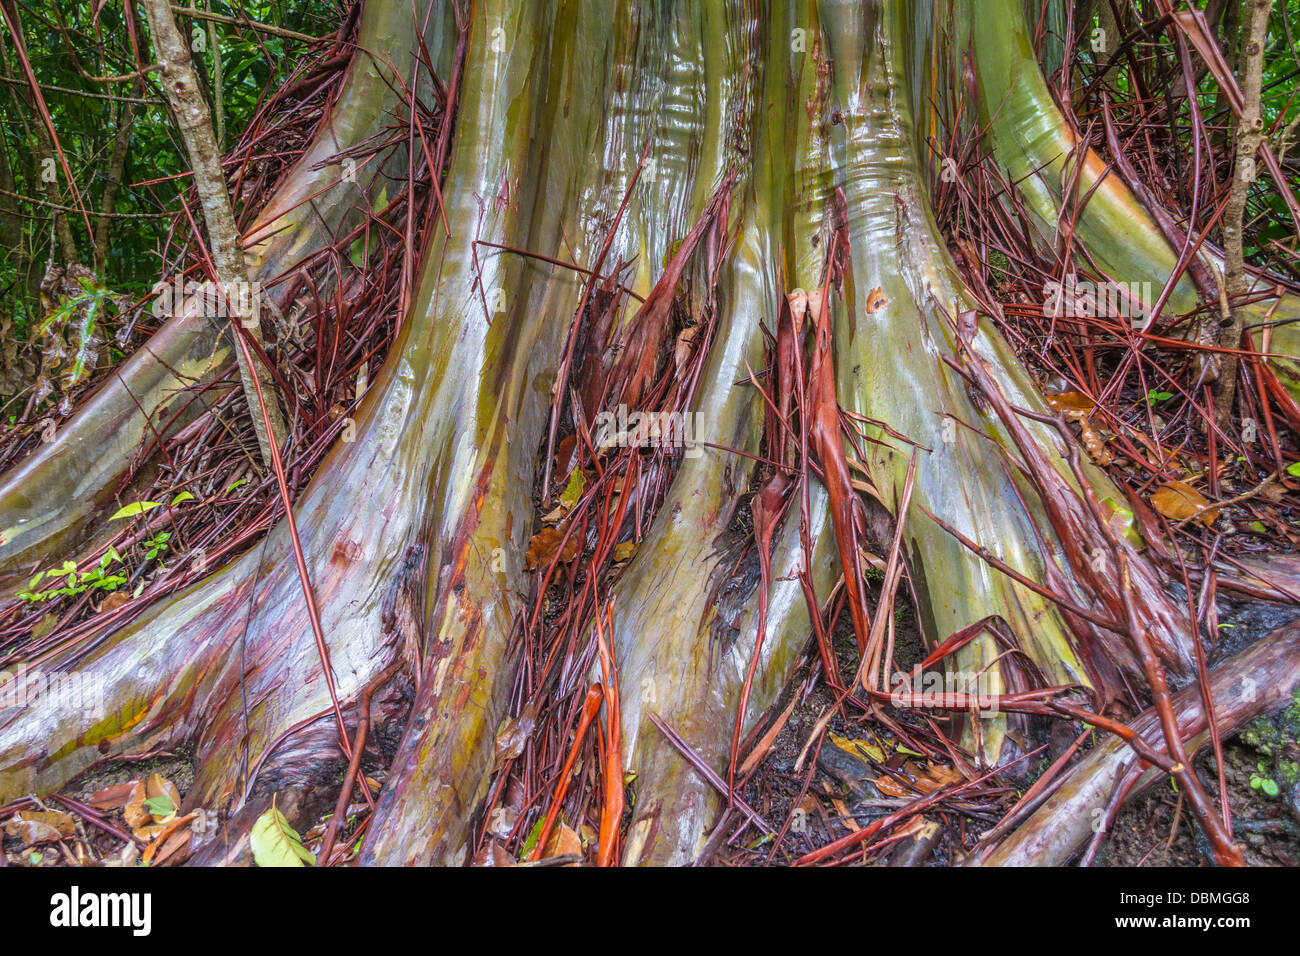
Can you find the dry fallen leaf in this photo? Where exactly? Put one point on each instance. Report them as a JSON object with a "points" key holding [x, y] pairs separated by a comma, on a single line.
{"points": [[544, 545], [1064, 402], [171, 837], [115, 600], [1076, 407], [563, 842], [624, 550], [34, 827], [566, 455], [919, 781], [494, 854], [45, 625], [152, 802], [1178, 501], [112, 798], [846, 818], [514, 733]]}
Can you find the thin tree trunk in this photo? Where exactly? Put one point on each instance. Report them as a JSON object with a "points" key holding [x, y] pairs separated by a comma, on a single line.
{"points": [[113, 184], [180, 84], [1250, 134]]}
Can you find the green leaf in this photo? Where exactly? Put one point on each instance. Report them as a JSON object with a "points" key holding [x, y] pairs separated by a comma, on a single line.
{"points": [[160, 806], [531, 841], [235, 485], [275, 843], [133, 509], [357, 252], [1293, 469], [573, 490], [183, 496], [1270, 787]]}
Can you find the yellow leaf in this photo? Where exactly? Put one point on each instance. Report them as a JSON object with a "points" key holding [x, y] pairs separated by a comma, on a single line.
{"points": [[857, 747]]}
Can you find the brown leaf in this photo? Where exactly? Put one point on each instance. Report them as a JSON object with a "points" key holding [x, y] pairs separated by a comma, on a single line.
{"points": [[566, 455], [174, 849], [171, 837], [40, 826], [45, 625], [544, 545], [891, 787], [137, 812], [1065, 402], [112, 798], [1177, 501], [115, 600], [514, 733], [563, 842], [494, 854]]}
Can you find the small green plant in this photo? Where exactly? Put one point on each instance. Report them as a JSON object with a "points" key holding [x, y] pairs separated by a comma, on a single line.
{"points": [[98, 578], [1263, 782], [1154, 396], [157, 545]]}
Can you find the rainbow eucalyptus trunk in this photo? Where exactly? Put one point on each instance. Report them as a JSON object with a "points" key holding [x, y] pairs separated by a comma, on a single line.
{"points": [[413, 536], [1040, 152], [57, 498]]}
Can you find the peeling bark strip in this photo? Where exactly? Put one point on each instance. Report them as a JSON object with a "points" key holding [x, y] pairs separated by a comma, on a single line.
{"points": [[194, 121]]}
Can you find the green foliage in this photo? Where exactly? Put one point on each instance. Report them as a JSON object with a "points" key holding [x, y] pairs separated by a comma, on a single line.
{"points": [[98, 578], [68, 41], [275, 843], [157, 545]]}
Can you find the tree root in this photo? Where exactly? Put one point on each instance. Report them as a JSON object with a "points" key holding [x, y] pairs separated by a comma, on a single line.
{"points": [[1081, 804]]}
